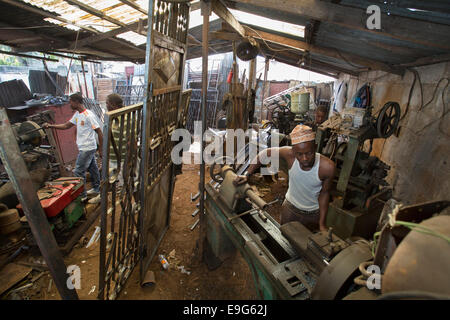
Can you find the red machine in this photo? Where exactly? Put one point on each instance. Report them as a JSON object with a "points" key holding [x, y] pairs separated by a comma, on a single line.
{"points": [[58, 194]]}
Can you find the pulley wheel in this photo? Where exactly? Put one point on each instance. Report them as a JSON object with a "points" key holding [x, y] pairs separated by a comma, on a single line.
{"points": [[388, 119], [246, 51]]}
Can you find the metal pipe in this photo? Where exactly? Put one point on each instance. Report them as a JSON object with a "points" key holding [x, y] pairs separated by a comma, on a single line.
{"points": [[27, 56], [40, 228], [206, 12], [84, 76]]}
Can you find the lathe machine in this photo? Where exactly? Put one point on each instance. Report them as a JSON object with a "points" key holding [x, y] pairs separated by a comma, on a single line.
{"points": [[291, 262]]}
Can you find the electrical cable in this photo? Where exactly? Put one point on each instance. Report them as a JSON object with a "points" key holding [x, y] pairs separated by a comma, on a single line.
{"points": [[422, 229], [348, 62], [434, 93], [444, 108], [265, 42], [416, 76]]}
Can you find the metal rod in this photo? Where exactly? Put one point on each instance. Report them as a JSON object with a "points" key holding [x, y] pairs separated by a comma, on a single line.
{"points": [[266, 71], [51, 78], [206, 12], [251, 82], [253, 209], [27, 56], [40, 228], [84, 76]]}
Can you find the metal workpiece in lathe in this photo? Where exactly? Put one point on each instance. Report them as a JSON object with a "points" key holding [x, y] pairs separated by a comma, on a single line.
{"points": [[287, 262]]}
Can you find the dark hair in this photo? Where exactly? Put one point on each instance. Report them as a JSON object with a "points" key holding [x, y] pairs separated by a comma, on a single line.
{"points": [[76, 97], [323, 109], [115, 100]]}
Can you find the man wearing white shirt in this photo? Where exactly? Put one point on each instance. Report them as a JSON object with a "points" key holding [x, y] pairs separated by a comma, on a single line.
{"points": [[87, 128]]}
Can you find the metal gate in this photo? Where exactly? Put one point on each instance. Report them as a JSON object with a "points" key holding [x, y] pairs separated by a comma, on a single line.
{"points": [[137, 170], [121, 201], [166, 51]]}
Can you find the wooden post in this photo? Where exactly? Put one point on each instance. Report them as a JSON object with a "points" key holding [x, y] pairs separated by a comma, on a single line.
{"points": [[251, 83], [84, 76], [266, 71], [206, 12]]}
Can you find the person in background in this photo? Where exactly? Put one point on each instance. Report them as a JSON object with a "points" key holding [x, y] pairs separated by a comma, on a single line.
{"points": [[320, 117], [114, 102], [87, 129]]}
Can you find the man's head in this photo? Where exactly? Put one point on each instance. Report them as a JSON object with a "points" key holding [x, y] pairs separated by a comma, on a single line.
{"points": [[113, 102], [320, 115], [76, 101], [304, 146]]}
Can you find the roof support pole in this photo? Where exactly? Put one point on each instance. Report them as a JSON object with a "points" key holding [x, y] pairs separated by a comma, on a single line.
{"points": [[206, 12], [266, 71]]}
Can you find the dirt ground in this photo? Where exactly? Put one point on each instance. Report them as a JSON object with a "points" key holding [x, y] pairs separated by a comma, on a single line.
{"points": [[232, 280]]}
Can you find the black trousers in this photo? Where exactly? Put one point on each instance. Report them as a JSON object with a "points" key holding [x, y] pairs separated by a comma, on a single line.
{"points": [[291, 213]]}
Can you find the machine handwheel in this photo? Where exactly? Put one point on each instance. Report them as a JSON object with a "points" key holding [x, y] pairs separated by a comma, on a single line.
{"points": [[388, 119]]}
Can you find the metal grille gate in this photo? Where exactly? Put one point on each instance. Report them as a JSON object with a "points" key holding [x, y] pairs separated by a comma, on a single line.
{"points": [[141, 208], [121, 202], [166, 49]]}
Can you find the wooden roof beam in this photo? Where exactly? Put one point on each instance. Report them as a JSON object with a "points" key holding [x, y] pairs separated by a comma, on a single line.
{"points": [[11, 53], [101, 15], [297, 58], [63, 20], [330, 52], [134, 6], [407, 29], [47, 14], [222, 12], [310, 68], [303, 46]]}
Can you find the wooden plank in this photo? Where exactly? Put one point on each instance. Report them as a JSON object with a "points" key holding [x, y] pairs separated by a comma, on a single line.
{"points": [[63, 20], [106, 35], [310, 68], [26, 56], [428, 60], [47, 14], [225, 14], [134, 6], [330, 52], [94, 12], [163, 41], [223, 35], [11, 274], [407, 29], [157, 92], [195, 6]]}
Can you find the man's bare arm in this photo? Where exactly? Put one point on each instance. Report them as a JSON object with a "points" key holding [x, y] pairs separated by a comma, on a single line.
{"points": [[100, 141], [255, 164], [324, 196], [63, 126]]}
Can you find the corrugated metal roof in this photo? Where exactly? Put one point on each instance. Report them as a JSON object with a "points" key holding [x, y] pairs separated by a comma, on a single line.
{"points": [[112, 8], [342, 47]]}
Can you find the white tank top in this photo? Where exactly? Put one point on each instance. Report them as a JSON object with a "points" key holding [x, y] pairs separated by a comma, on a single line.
{"points": [[304, 186]]}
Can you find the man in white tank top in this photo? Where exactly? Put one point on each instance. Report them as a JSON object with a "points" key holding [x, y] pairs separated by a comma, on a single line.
{"points": [[310, 179]]}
